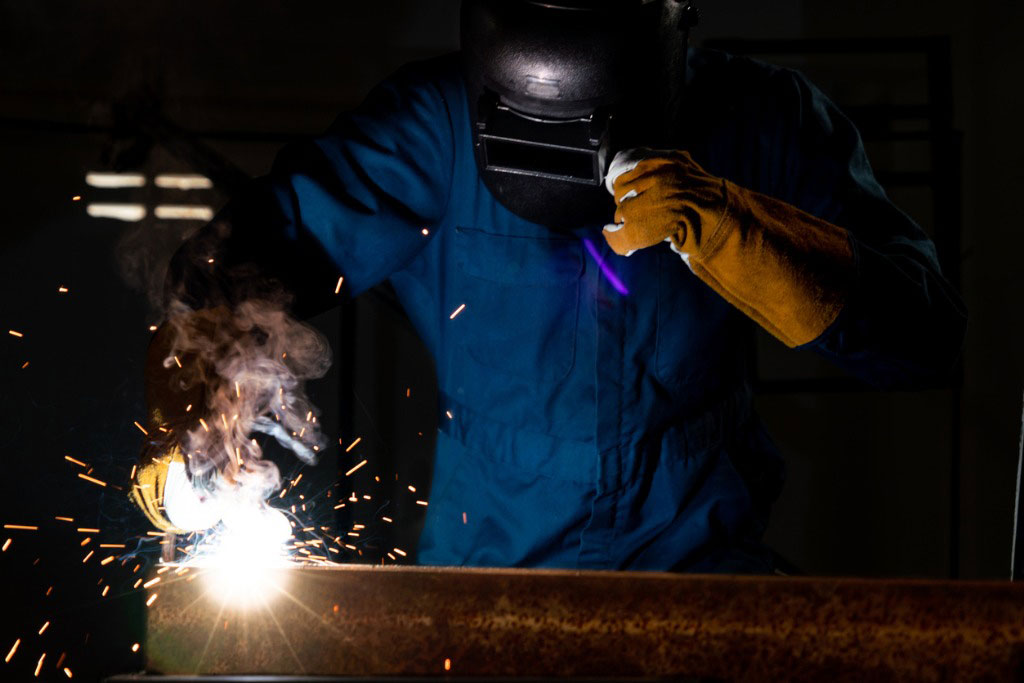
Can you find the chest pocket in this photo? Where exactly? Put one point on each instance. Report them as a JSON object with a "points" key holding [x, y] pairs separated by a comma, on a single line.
{"points": [[694, 325], [522, 302]]}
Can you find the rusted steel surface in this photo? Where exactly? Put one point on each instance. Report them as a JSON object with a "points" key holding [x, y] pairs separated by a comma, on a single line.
{"points": [[407, 621]]}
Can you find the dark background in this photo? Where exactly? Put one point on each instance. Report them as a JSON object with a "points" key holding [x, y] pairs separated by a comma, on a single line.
{"points": [[908, 484]]}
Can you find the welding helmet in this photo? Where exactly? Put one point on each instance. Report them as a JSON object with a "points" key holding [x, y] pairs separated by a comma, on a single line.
{"points": [[556, 87]]}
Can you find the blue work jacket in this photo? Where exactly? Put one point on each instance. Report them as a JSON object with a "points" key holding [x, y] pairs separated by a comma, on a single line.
{"points": [[600, 417]]}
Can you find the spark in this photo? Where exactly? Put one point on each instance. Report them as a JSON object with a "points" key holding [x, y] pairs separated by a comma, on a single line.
{"points": [[87, 530], [152, 328], [7, 544], [77, 462], [141, 428], [85, 541], [151, 600], [39, 665], [151, 582], [77, 198], [24, 365], [399, 551], [449, 414], [65, 519], [297, 480], [464, 518], [14, 649], [177, 361], [132, 475], [447, 664], [421, 502], [43, 628], [107, 560], [112, 545], [412, 488], [238, 390], [92, 479], [337, 287], [355, 468], [224, 419], [22, 527], [67, 672], [88, 555], [203, 422], [62, 290], [135, 647], [387, 519], [106, 589], [457, 311], [15, 333], [353, 444]]}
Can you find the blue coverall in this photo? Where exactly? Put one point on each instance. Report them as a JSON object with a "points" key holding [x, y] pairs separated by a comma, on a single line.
{"points": [[591, 428]]}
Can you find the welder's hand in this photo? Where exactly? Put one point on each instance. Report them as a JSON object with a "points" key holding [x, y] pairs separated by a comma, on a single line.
{"points": [[164, 492], [661, 197], [176, 397], [786, 269]]}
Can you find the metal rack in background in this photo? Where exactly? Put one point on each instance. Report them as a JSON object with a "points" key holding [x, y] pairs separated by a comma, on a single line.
{"points": [[881, 123]]}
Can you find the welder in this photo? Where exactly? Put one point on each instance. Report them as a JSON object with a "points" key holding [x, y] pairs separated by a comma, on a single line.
{"points": [[611, 212]]}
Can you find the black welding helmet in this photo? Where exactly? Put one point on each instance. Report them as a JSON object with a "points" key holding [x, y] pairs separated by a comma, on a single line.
{"points": [[556, 87]]}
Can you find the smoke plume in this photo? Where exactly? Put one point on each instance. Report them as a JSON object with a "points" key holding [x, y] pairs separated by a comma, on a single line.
{"points": [[249, 366]]}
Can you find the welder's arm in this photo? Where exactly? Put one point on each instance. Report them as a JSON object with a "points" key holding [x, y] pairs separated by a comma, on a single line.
{"points": [[787, 270], [903, 323], [351, 203], [823, 261]]}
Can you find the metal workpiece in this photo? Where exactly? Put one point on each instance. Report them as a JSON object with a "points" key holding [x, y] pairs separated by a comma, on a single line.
{"points": [[413, 621]]}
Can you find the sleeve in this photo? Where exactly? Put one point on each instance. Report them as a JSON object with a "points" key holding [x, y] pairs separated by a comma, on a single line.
{"points": [[903, 324], [351, 203]]}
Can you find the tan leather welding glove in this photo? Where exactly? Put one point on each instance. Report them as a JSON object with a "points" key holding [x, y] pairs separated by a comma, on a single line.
{"points": [[786, 269], [164, 492]]}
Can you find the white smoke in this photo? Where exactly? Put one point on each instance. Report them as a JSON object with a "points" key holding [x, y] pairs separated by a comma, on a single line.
{"points": [[250, 365]]}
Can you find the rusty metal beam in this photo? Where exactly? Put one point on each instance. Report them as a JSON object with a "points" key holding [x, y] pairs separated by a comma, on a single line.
{"points": [[361, 621]]}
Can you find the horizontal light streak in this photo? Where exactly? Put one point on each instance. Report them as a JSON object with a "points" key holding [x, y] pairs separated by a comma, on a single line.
{"points": [[183, 212], [183, 181], [114, 180], [120, 212]]}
